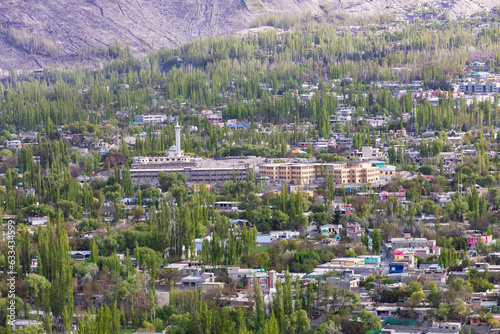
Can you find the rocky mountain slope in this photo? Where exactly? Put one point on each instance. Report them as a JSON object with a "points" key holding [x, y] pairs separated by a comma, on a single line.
{"points": [[35, 33]]}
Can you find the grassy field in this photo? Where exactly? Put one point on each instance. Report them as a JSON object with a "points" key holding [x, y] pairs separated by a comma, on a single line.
{"points": [[263, 248]]}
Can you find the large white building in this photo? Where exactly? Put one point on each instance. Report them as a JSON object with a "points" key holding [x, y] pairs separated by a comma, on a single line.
{"points": [[142, 119], [148, 168]]}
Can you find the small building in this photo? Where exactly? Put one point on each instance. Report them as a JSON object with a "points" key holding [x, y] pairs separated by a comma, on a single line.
{"points": [[344, 283], [38, 221], [396, 268], [331, 228], [388, 170], [400, 195], [34, 264], [196, 281], [284, 235], [212, 286], [374, 259], [80, 255], [13, 144], [348, 261], [237, 273], [226, 206], [21, 323]]}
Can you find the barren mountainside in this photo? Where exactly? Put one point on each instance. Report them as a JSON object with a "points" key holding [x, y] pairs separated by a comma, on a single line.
{"points": [[35, 33]]}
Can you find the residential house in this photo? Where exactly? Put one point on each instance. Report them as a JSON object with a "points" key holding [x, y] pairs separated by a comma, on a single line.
{"points": [[348, 283], [348, 261], [80, 255], [409, 242], [196, 281], [266, 280], [38, 221], [354, 230], [331, 228], [385, 195], [472, 240], [13, 144]]}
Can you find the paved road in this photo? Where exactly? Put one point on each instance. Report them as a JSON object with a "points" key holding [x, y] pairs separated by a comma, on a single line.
{"points": [[312, 230], [384, 264]]}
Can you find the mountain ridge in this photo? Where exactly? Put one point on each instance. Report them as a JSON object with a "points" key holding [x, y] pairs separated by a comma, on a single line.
{"points": [[36, 33]]}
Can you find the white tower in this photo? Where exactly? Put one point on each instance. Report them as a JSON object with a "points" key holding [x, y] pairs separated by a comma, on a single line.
{"points": [[177, 139]]}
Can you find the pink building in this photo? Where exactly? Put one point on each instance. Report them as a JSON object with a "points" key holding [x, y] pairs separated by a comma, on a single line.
{"points": [[400, 195], [472, 240]]}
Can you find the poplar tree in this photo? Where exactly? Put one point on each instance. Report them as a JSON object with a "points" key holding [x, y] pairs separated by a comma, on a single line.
{"points": [[260, 307], [278, 304], [55, 265], [376, 241], [25, 246], [128, 185], [94, 253], [288, 295]]}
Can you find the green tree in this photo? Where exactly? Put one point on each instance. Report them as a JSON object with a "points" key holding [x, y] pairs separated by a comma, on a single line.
{"points": [[278, 304], [288, 294], [260, 307], [94, 252], [376, 241], [37, 287], [370, 321]]}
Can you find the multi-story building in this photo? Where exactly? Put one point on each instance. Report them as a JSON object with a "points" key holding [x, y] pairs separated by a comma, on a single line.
{"points": [[13, 144], [405, 256], [409, 242], [367, 153], [354, 230], [289, 172], [354, 172], [480, 87], [472, 240], [331, 228], [237, 273], [345, 143], [214, 118], [471, 153], [193, 174], [266, 280], [174, 161], [343, 173], [142, 119]]}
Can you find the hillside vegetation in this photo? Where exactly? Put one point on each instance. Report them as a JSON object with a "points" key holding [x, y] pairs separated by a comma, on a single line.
{"points": [[58, 31]]}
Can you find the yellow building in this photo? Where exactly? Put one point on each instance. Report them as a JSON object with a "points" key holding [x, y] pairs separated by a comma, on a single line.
{"points": [[289, 172], [197, 188], [348, 261], [354, 172], [350, 172]]}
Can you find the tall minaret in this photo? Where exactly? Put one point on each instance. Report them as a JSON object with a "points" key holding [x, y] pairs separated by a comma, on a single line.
{"points": [[177, 139]]}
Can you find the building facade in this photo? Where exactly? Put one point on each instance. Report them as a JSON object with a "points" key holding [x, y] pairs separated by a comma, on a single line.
{"points": [[150, 119], [290, 172], [343, 173]]}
